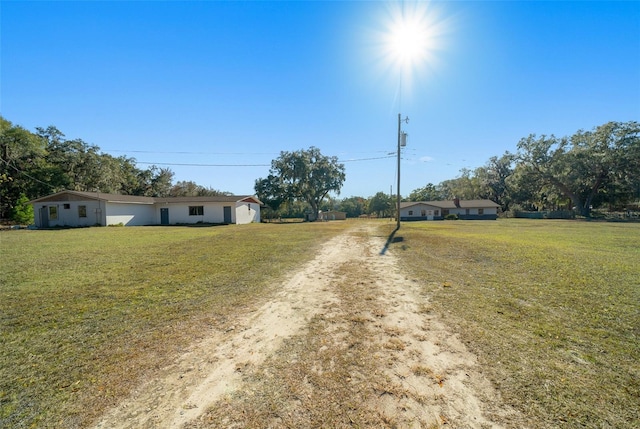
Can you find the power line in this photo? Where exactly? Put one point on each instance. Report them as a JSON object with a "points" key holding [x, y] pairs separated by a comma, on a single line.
{"points": [[214, 153], [25, 173], [201, 165], [177, 164], [189, 152], [367, 159]]}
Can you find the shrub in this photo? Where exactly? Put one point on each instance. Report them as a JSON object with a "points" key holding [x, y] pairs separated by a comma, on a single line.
{"points": [[22, 213], [451, 217]]}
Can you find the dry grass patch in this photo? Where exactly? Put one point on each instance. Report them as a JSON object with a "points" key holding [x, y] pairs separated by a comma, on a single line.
{"points": [[86, 313], [552, 308], [315, 379], [331, 376]]}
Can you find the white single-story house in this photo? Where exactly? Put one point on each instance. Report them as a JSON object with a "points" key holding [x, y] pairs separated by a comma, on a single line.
{"points": [[438, 210], [74, 208]]}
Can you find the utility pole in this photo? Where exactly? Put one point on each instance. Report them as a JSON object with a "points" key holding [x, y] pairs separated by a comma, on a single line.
{"points": [[401, 140]]}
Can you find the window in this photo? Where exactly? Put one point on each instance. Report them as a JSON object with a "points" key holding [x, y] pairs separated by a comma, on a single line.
{"points": [[466, 211], [445, 212], [196, 210], [410, 212], [67, 206], [480, 211], [423, 213], [436, 212], [82, 211], [53, 212]]}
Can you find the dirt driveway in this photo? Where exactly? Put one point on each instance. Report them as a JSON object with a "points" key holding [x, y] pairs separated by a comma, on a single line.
{"points": [[348, 341]]}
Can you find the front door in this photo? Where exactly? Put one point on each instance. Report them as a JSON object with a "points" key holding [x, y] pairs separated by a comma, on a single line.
{"points": [[164, 216], [227, 214], [44, 217]]}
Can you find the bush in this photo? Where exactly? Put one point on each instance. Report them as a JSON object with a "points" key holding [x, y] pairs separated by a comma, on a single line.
{"points": [[451, 217], [22, 213]]}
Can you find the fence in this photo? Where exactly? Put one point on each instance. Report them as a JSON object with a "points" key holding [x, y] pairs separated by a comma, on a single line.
{"points": [[555, 214]]}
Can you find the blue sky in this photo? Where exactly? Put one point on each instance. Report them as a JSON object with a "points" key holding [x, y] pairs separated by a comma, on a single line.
{"points": [[228, 85]]}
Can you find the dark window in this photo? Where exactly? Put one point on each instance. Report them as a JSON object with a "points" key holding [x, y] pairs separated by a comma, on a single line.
{"points": [[436, 213], [53, 212], [82, 211], [67, 206], [480, 211], [410, 212], [196, 210], [445, 212]]}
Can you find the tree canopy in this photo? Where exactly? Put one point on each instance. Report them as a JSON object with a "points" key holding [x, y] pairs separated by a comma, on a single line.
{"points": [[36, 164], [586, 165], [585, 170], [381, 205], [588, 169], [303, 175], [427, 193]]}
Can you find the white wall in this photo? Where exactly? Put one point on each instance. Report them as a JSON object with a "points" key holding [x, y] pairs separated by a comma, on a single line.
{"points": [[71, 216], [109, 213], [179, 213], [417, 211], [247, 213], [463, 211], [130, 214]]}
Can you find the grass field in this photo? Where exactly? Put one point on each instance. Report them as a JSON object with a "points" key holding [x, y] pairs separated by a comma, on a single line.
{"points": [[552, 309], [84, 313]]}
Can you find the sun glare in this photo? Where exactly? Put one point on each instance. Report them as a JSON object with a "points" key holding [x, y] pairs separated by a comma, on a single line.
{"points": [[408, 41], [410, 36]]}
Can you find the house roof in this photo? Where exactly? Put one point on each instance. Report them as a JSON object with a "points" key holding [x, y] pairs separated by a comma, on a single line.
{"points": [[217, 199], [134, 199], [450, 204]]}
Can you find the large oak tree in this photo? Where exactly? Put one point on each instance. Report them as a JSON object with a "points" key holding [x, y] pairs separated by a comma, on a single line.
{"points": [[303, 175], [586, 164]]}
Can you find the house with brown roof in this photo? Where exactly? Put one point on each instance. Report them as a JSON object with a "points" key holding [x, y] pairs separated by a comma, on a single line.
{"points": [[75, 208], [438, 210]]}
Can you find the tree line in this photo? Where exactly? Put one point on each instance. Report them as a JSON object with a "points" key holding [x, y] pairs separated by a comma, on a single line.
{"points": [[590, 169], [34, 164]]}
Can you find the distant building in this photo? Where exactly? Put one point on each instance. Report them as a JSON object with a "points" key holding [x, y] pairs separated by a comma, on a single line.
{"points": [[74, 208], [332, 215], [438, 210]]}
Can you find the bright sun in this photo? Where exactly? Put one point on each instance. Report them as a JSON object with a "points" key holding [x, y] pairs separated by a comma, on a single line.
{"points": [[410, 36], [408, 41]]}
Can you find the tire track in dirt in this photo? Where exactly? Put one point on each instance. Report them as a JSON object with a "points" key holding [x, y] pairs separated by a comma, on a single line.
{"points": [[409, 371], [439, 379], [212, 367]]}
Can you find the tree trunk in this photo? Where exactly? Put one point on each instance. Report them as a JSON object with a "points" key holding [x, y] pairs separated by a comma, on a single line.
{"points": [[314, 211], [575, 199], [594, 190]]}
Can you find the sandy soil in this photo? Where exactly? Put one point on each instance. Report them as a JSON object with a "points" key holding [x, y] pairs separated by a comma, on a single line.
{"points": [[436, 380]]}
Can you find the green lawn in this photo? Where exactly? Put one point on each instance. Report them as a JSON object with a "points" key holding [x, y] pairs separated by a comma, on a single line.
{"points": [[552, 308], [84, 313]]}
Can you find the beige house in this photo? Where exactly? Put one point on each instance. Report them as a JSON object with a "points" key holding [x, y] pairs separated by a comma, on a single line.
{"points": [[438, 210], [74, 208]]}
